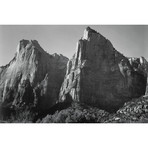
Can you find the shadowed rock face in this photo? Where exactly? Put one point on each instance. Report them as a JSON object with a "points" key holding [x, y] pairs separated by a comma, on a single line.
{"points": [[99, 75], [33, 77], [141, 65]]}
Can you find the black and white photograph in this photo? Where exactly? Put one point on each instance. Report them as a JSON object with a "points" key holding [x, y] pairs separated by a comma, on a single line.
{"points": [[73, 74]]}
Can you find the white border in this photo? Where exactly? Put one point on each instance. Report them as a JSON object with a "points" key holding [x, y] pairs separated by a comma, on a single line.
{"points": [[73, 12]]}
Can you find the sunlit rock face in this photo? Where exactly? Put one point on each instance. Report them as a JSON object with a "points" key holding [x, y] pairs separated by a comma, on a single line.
{"points": [[99, 75], [33, 77]]}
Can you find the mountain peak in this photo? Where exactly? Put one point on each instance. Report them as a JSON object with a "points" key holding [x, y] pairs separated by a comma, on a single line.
{"points": [[26, 46], [90, 29], [100, 75], [89, 33], [33, 77], [25, 42]]}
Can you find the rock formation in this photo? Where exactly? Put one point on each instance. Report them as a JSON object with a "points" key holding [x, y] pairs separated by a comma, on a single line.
{"points": [[133, 111], [98, 80], [140, 64], [99, 75], [33, 77]]}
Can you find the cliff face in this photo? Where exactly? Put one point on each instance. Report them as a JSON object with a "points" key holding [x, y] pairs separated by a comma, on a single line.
{"points": [[33, 77], [99, 75], [140, 64]]}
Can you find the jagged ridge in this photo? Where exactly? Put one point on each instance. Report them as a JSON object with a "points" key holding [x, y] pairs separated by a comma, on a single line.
{"points": [[33, 77]]}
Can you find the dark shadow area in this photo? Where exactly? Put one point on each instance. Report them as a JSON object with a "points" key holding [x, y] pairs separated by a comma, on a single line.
{"points": [[57, 107]]}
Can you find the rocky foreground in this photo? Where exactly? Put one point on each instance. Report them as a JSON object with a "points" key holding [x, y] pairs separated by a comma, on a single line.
{"points": [[134, 111]]}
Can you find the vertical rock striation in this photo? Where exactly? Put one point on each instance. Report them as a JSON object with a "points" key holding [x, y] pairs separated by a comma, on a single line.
{"points": [[99, 75], [33, 77]]}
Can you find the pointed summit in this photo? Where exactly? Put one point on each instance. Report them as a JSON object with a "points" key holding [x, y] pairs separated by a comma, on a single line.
{"points": [[90, 34], [99, 75], [90, 30], [33, 77], [25, 45]]}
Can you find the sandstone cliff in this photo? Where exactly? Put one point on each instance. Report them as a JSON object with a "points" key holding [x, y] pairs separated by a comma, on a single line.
{"points": [[32, 78], [99, 75]]}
